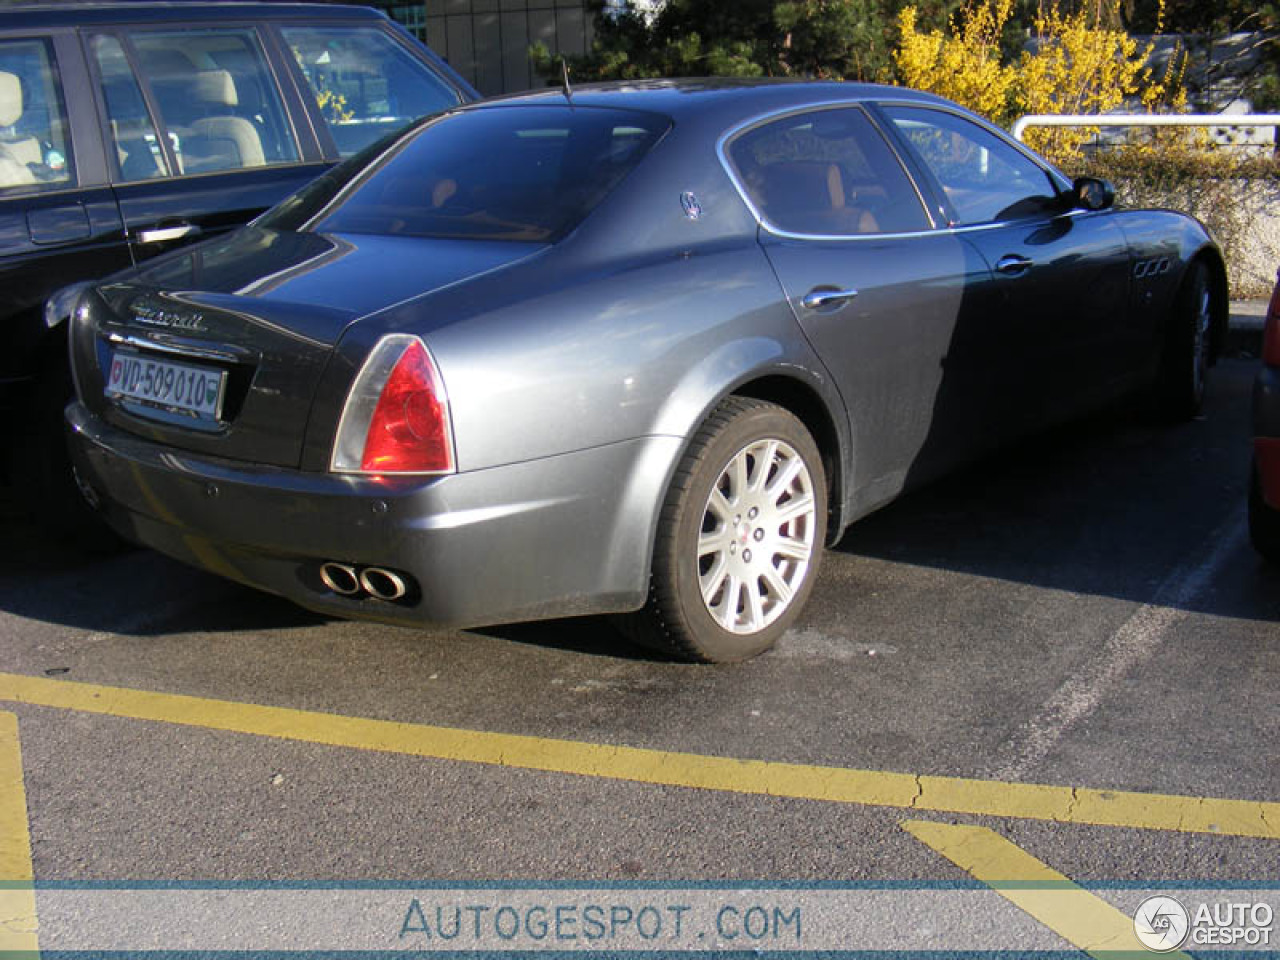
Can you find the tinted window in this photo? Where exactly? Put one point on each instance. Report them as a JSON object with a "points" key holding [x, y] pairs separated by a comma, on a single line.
{"points": [[514, 173], [137, 148], [364, 82], [828, 172], [35, 150], [983, 177], [218, 102]]}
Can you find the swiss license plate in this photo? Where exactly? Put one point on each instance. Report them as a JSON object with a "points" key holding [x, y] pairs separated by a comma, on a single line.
{"points": [[176, 387]]}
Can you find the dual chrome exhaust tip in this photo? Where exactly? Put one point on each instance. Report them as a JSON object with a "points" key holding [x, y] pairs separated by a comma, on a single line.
{"points": [[351, 581]]}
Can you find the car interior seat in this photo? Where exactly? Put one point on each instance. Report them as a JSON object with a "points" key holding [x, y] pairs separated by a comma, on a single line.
{"points": [[16, 152], [220, 140], [810, 197]]}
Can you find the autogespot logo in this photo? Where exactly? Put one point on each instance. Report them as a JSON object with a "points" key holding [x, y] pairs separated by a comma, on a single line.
{"points": [[1161, 924]]}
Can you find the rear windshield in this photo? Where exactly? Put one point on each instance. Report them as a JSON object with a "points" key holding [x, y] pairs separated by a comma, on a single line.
{"points": [[499, 173]]}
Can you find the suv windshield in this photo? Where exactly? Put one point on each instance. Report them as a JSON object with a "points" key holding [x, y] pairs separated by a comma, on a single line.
{"points": [[499, 173]]}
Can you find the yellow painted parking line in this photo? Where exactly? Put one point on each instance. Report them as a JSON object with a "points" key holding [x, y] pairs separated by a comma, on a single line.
{"points": [[1149, 811], [17, 895], [1085, 921]]}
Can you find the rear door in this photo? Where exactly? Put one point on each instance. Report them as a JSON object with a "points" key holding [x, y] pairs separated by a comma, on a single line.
{"points": [[882, 295], [199, 135]]}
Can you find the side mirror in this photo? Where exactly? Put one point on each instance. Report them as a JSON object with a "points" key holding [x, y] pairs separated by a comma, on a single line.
{"points": [[1092, 193]]}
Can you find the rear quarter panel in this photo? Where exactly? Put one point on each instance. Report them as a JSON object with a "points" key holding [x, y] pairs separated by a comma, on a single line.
{"points": [[635, 325], [645, 349]]}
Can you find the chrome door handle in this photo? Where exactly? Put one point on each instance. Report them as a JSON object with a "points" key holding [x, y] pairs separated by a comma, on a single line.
{"points": [[815, 299], [1013, 265], [179, 231]]}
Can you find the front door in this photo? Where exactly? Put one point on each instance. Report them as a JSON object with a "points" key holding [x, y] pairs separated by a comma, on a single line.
{"points": [[1060, 274]]}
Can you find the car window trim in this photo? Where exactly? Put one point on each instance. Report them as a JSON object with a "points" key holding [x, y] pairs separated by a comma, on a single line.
{"points": [[1057, 180], [115, 173], [759, 120], [316, 148]]}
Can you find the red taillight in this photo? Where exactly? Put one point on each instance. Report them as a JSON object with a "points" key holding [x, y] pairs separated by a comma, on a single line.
{"points": [[1271, 332], [397, 414]]}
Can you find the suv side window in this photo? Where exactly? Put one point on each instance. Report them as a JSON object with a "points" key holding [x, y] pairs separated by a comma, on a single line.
{"points": [[133, 134], [983, 177], [35, 146], [365, 83], [218, 103], [826, 173]]}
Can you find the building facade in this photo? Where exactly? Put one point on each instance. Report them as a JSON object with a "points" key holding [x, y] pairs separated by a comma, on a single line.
{"points": [[487, 41]]}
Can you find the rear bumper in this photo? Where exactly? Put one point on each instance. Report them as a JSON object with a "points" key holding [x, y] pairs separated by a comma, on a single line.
{"points": [[553, 537]]}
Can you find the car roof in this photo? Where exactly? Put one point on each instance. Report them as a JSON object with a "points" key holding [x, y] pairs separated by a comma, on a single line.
{"points": [[72, 14], [725, 99]]}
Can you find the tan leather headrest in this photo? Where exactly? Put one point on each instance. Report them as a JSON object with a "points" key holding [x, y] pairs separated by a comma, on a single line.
{"points": [[216, 86], [10, 99]]}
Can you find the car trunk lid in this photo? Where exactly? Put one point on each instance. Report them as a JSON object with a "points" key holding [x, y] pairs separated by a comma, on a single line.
{"points": [[220, 349]]}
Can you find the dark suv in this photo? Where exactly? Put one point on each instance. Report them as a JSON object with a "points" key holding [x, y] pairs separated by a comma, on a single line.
{"points": [[129, 129]]}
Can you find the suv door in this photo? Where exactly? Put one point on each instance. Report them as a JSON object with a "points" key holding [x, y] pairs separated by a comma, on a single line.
{"points": [[58, 217], [197, 130]]}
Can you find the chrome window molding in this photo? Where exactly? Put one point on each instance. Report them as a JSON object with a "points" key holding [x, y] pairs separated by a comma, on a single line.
{"points": [[760, 120], [772, 229]]}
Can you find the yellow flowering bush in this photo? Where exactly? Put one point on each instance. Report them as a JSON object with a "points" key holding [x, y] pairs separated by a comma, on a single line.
{"points": [[964, 66], [1076, 64]]}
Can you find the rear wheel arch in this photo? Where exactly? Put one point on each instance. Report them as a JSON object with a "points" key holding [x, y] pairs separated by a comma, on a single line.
{"points": [[730, 571], [806, 405]]}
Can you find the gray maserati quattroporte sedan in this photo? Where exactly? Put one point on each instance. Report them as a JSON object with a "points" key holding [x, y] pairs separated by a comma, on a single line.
{"points": [[635, 349]]}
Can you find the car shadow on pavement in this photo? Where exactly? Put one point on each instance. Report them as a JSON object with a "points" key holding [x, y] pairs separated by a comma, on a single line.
{"points": [[1116, 505], [595, 636], [50, 578]]}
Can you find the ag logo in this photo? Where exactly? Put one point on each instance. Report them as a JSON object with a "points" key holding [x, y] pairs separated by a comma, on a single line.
{"points": [[1161, 924]]}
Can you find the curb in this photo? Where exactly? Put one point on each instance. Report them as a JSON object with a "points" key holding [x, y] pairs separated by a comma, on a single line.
{"points": [[1244, 329]]}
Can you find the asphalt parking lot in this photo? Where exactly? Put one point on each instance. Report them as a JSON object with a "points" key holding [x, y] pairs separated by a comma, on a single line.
{"points": [[1082, 612]]}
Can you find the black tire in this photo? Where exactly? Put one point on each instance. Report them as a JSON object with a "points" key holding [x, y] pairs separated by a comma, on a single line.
{"points": [[1188, 348], [754, 597], [44, 478], [1264, 521]]}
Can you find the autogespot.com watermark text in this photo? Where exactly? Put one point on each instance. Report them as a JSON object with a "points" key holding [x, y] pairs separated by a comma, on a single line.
{"points": [[832, 920], [604, 923]]}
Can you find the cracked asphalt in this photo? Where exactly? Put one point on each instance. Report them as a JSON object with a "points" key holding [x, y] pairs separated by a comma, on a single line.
{"points": [[1081, 611]]}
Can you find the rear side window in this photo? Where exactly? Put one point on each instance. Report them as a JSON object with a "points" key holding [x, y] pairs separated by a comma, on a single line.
{"points": [[504, 173], [217, 100], [826, 173], [35, 148], [365, 84]]}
